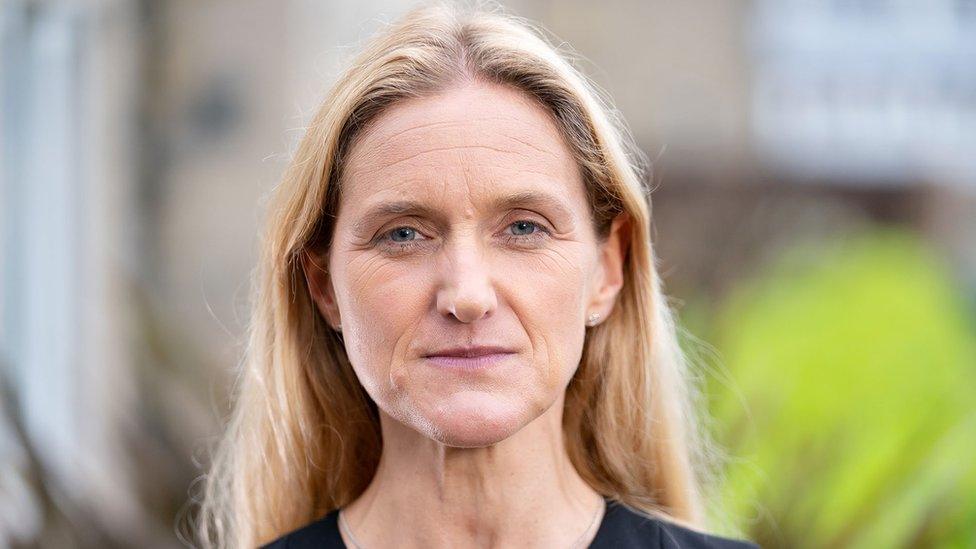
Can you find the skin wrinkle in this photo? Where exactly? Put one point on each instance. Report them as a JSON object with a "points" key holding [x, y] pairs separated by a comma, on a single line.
{"points": [[428, 125], [455, 148], [528, 144], [375, 150], [470, 458]]}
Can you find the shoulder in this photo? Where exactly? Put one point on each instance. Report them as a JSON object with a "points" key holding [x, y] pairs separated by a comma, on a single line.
{"points": [[321, 534], [621, 528], [673, 535], [625, 528]]}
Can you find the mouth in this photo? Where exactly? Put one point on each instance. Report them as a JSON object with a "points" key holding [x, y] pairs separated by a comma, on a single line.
{"points": [[471, 352], [469, 358], [469, 363]]}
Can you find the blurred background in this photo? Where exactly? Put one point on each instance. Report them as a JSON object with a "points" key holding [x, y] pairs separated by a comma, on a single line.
{"points": [[814, 203]]}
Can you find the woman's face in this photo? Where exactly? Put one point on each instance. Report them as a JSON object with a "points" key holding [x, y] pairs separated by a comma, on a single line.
{"points": [[464, 223]]}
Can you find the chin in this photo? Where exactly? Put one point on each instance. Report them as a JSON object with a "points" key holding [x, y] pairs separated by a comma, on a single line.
{"points": [[476, 421]]}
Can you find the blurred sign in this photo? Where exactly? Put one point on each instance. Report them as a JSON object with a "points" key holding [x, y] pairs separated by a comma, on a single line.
{"points": [[866, 90]]}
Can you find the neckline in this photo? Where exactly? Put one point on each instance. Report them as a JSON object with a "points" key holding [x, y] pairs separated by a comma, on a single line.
{"points": [[601, 531], [608, 506]]}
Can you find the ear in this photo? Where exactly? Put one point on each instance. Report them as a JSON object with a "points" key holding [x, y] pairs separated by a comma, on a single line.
{"points": [[610, 274], [319, 283]]}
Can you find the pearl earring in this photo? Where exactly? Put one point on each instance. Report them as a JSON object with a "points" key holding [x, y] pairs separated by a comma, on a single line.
{"points": [[592, 319], [338, 327]]}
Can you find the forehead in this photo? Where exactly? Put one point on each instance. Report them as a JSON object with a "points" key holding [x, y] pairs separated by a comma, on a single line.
{"points": [[477, 138]]}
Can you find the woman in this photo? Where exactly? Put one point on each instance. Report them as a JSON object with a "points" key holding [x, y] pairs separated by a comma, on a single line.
{"points": [[460, 338]]}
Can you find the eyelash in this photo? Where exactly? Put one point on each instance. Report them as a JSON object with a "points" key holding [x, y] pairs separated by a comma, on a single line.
{"points": [[541, 233]]}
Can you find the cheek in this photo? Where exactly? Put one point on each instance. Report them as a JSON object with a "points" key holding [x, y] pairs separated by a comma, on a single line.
{"points": [[381, 304], [548, 292]]}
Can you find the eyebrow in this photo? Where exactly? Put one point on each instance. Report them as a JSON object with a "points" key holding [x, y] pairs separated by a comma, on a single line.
{"points": [[522, 198]]}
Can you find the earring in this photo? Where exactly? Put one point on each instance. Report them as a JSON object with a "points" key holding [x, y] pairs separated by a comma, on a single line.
{"points": [[592, 319], [338, 327]]}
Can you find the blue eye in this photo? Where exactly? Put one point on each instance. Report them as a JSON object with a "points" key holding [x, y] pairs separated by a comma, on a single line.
{"points": [[405, 232], [521, 225]]}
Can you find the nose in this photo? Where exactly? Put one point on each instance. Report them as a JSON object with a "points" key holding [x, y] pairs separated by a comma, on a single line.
{"points": [[466, 290]]}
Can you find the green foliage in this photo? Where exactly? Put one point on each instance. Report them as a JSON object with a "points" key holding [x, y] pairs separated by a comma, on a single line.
{"points": [[850, 405]]}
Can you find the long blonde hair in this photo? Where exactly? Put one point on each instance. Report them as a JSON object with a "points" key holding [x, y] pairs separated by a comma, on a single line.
{"points": [[303, 438]]}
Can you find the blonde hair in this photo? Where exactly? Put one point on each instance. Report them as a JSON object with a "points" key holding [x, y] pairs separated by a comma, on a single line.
{"points": [[304, 439]]}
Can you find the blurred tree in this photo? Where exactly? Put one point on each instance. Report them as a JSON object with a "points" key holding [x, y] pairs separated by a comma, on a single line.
{"points": [[848, 408]]}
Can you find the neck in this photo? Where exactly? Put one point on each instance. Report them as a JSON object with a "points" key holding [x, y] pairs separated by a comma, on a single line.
{"points": [[520, 491]]}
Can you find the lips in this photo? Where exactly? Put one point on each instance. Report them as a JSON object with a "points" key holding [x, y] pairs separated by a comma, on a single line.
{"points": [[470, 352], [469, 358]]}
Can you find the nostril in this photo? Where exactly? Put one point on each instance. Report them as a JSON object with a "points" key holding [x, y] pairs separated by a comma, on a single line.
{"points": [[467, 305], [470, 312]]}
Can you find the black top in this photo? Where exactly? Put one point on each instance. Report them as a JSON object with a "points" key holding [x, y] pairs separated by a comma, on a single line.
{"points": [[621, 528]]}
